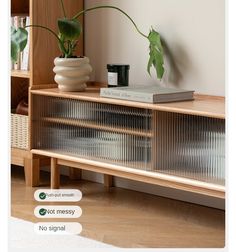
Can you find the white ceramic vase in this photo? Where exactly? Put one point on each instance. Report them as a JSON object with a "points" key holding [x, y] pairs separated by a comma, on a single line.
{"points": [[72, 73]]}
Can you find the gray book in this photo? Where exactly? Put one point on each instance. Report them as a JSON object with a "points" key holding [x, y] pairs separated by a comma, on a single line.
{"points": [[149, 94]]}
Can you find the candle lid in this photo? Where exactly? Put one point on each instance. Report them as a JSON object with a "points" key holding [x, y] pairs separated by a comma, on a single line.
{"points": [[118, 66]]}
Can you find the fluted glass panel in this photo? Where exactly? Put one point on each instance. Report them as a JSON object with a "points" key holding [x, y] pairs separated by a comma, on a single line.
{"points": [[191, 146], [102, 132], [171, 143]]}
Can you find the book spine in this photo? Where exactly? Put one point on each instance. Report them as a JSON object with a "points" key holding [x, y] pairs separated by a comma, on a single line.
{"points": [[22, 24], [12, 24], [17, 25], [124, 95], [25, 53]]}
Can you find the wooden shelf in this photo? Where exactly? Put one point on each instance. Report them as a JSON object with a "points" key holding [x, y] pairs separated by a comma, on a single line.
{"points": [[42, 55], [157, 178], [202, 105], [137, 165], [20, 74], [21, 6], [134, 164], [95, 125]]}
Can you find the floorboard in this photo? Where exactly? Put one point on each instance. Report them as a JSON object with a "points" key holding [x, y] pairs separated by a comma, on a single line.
{"points": [[129, 219]]}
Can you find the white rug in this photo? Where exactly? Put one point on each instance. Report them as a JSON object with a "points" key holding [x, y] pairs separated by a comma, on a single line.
{"points": [[22, 236]]}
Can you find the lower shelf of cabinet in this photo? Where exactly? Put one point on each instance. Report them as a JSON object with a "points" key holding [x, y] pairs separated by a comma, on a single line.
{"points": [[150, 177], [18, 156]]}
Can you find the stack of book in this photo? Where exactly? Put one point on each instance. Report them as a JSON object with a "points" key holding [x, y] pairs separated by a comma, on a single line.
{"points": [[148, 94], [23, 57]]}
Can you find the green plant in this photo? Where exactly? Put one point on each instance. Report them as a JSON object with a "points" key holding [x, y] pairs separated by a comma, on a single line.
{"points": [[70, 30]]}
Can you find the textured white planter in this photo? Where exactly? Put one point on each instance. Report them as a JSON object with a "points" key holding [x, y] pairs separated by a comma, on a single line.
{"points": [[72, 73]]}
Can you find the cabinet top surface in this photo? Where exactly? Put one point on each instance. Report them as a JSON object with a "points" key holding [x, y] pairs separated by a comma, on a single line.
{"points": [[202, 105]]}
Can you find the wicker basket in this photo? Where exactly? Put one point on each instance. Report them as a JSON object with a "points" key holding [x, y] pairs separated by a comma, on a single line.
{"points": [[19, 131]]}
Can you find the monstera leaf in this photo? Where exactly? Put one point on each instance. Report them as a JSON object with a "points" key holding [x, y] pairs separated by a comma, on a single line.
{"points": [[69, 28], [156, 54], [18, 42]]}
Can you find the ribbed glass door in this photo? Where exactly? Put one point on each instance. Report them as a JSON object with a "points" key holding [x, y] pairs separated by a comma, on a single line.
{"points": [[191, 146], [109, 133]]}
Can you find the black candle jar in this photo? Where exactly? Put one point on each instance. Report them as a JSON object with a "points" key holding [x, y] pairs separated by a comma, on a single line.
{"points": [[118, 75]]}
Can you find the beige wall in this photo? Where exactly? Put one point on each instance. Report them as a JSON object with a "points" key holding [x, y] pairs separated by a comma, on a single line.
{"points": [[194, 34], [193, 31]]}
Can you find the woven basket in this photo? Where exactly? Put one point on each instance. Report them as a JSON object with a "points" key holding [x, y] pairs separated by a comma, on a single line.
{"points": [[19, 131]]}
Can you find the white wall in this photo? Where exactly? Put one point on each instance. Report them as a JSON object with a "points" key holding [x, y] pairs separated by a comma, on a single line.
{"points": [[193, 31]]}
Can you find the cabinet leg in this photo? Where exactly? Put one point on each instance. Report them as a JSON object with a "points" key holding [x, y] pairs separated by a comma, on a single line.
{"points": [[55, 174], [108, 180], [32, 170]]}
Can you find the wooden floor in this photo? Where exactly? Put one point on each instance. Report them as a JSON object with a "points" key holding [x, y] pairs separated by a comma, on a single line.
{"points": [[130, 219]]}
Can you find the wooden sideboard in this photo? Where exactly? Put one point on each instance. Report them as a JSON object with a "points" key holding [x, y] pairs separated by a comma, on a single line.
{"points": [[179, 145]]}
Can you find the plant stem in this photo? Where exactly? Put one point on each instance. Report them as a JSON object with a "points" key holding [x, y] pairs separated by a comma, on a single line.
{"points": [[63, 8], [69, 52], [43, 27], [109, 7]]}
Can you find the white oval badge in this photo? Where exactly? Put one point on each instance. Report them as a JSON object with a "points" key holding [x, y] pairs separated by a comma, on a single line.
{"points": [[57, 211], [58, 228], [58, 195]]}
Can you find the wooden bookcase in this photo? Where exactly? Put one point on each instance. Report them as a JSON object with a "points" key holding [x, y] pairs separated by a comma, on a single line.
{"points": [[43, 50], [178, 145]]}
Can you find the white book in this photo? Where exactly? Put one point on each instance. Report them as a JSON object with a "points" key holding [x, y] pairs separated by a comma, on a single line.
{"points": [[148, 94], [25, 53], [12, 24], [22, 24], [16, 24]]}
